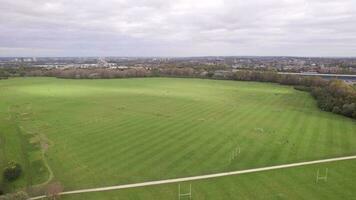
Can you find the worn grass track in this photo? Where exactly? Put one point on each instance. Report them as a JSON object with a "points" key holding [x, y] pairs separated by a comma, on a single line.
{"points": [[110, 132]]}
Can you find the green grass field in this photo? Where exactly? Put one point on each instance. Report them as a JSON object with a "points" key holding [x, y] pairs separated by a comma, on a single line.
{"points": [[99, 133]]}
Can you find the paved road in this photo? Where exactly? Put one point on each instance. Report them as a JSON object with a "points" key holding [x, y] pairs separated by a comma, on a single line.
{"points": [[193, 178]]}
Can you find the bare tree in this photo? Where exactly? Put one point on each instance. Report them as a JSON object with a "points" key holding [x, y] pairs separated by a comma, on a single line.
{"points": [[54, 190]]}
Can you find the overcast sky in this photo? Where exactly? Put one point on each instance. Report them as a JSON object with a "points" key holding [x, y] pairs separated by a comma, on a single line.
{"points": [[177, 27]]}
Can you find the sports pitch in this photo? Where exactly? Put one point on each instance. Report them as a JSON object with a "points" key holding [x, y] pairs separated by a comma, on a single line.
{"points": [[95, 133]]}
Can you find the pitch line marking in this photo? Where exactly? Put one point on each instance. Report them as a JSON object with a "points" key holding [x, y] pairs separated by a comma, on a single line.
{"points": [[194, 178]]}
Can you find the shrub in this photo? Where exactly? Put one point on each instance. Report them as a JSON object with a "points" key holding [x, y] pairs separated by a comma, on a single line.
{"points": [[348, 109], [302, 88], [336, 110], [15, 196], [12, 171]]}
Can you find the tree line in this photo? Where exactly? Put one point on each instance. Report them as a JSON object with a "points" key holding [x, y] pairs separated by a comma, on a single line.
{"points": [[331, 95]]}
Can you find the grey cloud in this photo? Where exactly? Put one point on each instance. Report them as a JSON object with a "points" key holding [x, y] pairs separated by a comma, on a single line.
{"points": [[177, 28]]}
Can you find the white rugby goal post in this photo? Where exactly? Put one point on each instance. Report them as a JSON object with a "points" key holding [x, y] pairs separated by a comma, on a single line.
{"points": [[323, 177], [187, 195], [235, 152]]}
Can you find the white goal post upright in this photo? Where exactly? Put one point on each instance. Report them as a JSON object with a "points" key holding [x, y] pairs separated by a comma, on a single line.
{"points": [[183, 195], [320, 177], [235, 153]]}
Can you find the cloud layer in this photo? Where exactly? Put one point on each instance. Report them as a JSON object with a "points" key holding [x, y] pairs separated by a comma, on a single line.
{"points": [[177, 27]]}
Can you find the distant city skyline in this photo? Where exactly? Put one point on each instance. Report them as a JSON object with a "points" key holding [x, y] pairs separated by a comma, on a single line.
{"points": [[181, 28]]}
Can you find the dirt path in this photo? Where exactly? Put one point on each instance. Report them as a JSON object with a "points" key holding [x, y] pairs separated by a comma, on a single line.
{"points": [[193, 178], [50, 172]]}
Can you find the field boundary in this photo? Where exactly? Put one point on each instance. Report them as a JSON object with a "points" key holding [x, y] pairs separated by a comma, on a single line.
{"points": [[201, 177]]}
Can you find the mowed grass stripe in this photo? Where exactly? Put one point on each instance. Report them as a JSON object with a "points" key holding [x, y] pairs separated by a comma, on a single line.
{"points": [[167, 131], [267, 136], [259, 139]]}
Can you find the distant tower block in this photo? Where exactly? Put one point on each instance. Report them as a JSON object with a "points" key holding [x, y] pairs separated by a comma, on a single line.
{"points": [[187, 195], [320, 177]]}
